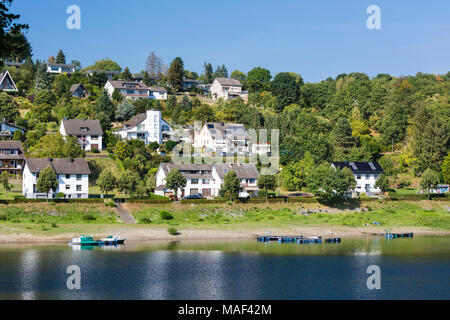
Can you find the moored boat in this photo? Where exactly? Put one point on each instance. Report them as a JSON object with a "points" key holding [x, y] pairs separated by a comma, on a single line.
{"points": [[84, 240], [113, 240]]}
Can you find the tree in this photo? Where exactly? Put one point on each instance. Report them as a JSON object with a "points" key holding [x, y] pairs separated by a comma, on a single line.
{"points": [[151, 181], [42, 80], [208, 72], [394, 123], [126, 74], [382, 183], [176, 74], [9, 28], [175, 181], [4, 180], [330, 184], [105, 65], [47, 181], [125, 110], [267, 182], [258, 79], [98, 79], [446, 169], [9, 109], [221, 72], [154, 65], [127, 182], [19, 48], [54, 145], [106, 181], [61, 58], [239, 75], [231, 185], [286, 89], [204, 113], [293, 176], [153, 146], [429, 180], [105, 105], [121, 150]]}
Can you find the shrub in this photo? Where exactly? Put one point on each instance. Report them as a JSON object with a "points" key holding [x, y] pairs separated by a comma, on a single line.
{"points": [[54, 225], [165, 215], [3, 217], [172, 231], [60, 195], [145, 221], [88, 217], [95, 150]]}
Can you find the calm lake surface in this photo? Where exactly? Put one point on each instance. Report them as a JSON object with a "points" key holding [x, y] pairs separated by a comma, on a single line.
{"points": [[411, 268]]}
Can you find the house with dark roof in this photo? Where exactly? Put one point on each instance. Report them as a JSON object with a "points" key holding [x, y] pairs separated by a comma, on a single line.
{"points": [[7, 129], [6, 82], [72, 175], [187, 84], [148, 126], [227, 88], [135, 90], [79, 91], [366, 174], [207, 179], [88, 132], [60, 68], [12, 157]]}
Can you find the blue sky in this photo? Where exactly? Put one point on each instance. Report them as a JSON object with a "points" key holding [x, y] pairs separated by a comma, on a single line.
{"points": [[316, 38]]}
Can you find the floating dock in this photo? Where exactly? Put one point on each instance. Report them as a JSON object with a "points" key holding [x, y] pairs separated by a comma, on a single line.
{"points": [[399, 235], [297, 239]]}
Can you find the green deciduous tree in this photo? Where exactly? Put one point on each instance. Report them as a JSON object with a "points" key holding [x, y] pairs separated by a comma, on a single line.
{"points": [[105, 105], [231, 185], [4, 180], [429, 180], [9, 109], [175, 181], [446, 169], [267, 182], [125, 110], [382, 183], [47, 181], [286, 89], [54, 145], [106, 181], [127, 182], [258, 79]]}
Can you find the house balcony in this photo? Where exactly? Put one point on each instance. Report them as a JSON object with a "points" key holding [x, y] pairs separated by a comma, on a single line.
{"points": [[11, 167]]}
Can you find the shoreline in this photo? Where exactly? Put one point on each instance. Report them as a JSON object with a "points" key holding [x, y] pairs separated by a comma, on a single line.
{"points": [[161, 234]]}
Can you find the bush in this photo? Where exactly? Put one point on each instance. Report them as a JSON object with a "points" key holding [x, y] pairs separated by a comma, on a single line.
{"points": [[145, 221], [3, 217], [172, 231], [165, 215], [110, 203], [89, 217], [60, 195], [95, 150]]}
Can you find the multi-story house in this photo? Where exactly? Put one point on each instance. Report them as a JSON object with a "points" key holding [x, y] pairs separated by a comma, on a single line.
{"points": [[7, 129], [148, 127], [207, 179], [88, 132], [72, 176], [227, 88], [366, 174], [187, 84], [12, 158], [223, 138], [57, 68], [6, 82], [135, 90]]}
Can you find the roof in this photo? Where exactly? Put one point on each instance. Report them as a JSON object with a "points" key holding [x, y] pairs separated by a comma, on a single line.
{"points": [[60, 65], [133, 122], [74, 87], [2, 78], [159, 89], [91, 71], [167, 167], [243, 171], [12, 144], [229, 82], [120, 84], [12, 125], [60, 165], [220, 129], [360, 167], [73, 127]]}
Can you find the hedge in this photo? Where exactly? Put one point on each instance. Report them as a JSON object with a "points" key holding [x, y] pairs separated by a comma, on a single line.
{"points": [[205, 201], [148, 200]]}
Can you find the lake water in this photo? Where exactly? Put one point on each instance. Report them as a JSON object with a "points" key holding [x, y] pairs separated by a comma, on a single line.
{"points": [[411, 268]]}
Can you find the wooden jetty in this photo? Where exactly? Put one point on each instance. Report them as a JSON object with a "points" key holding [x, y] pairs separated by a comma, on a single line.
{"points": [[297, 239]]}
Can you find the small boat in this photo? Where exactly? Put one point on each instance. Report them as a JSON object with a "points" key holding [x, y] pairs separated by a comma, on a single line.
{"points": [[113, 240], [85, 241]]}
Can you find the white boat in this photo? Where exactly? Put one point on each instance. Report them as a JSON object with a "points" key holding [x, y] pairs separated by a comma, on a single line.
{"points": [[113, 240]]}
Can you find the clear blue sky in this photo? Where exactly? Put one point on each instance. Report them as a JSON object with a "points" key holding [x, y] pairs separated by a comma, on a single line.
{"points": [[316, 38]]}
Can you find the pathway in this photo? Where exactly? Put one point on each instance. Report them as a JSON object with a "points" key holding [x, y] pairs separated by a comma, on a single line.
{"points": [[124, 215]]}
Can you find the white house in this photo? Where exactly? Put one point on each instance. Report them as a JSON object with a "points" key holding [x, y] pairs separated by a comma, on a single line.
{"points": [[135, 90], [57, 68], [148, 127], [227, 88], [366, 174], [88, 132], [207, 179], [223, 138], [72, 176], [6, 82]]}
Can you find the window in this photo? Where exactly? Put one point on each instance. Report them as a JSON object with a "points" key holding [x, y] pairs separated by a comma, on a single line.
{"points": [[94, 137], [367, 176], [78, 187], [67, 186], [358, 176], [67, 176], [205, 181], [78, 177], [252, 180], [194, 181]]}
